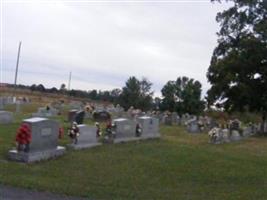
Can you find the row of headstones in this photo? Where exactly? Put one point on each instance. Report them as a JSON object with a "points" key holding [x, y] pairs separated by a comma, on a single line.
{"points": [[9, 101], [56, 108], [7, 117], [100, 115], [46, 112], [173, 118], [220, 136], [6, 101], [12, 100], [44, 137], [200, 124]]}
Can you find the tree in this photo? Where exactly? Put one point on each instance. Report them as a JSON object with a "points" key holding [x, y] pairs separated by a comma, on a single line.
{"points": [[156, 103], [169, 96], [53, 90], [137, 94], [238, 68], [40, 88], [115, 94], [33, 87], [93, 94], [145, 100], [62, 88], [182, 96]]}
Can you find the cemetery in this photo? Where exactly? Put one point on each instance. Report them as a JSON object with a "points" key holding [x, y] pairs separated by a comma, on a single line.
{"points": [[133, 100], [48, 153]]}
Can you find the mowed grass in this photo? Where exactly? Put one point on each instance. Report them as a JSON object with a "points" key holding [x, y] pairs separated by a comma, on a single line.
{"points": [[177, 166]]}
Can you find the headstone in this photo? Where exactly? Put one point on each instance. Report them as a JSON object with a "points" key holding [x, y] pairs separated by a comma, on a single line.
{"points": [[225, 135], [185, 118], [45, 112], [149, 127], [118, 111], [193, 127], [79, 117], [235, 136], [247, 131], [71, 115], [6, 117], [235, 124], [76, 105], [219, 136], [87, 137], [212, 124], [167, 120], [215, 136], [18, 105], [175, 119], [88, 115], [159, 116], [44, 141], [125, 130], [101, 116]]}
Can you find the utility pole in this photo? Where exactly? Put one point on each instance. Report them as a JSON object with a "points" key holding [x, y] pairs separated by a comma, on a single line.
{"points": [[69, 82], [17, 66]]}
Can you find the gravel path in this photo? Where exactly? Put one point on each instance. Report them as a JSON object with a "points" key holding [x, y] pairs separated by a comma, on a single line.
{"points": [[11, 193]]}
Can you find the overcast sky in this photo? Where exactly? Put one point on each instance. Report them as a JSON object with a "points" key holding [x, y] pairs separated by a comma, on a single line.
{"points": [[103, 43]]}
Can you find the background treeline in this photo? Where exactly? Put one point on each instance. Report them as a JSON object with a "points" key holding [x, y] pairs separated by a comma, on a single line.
{"points": [[182, 95]]}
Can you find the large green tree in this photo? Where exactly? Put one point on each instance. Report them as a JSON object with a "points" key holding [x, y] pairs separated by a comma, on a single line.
{"points": [[136, 93], [238, 68], [182, 96]]}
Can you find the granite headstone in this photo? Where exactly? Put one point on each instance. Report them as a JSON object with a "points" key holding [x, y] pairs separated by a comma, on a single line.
{"points": [[149, 127], [87, 137], [125, 130], [44, 142]]}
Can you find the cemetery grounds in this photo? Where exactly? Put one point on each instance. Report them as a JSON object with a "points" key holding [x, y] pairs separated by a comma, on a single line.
{"points": [[177, 166]]}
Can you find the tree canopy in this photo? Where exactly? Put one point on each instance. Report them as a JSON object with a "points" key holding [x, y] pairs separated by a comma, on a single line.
{"points": [[182, 96], [136, 93], [238, 68]]}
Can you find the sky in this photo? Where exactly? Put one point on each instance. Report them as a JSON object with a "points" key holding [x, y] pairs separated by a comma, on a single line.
{"points": [[103, 43]]}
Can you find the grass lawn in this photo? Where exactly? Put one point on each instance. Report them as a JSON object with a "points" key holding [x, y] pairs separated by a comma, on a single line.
{"points": [[177, 166]]}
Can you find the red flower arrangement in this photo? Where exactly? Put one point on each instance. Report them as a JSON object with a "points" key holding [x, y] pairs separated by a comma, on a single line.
{"points": [[24, 135]]}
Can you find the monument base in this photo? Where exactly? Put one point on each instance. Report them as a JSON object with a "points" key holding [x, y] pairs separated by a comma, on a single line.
{"points": [[83, 146], [154, 136], [142, 137], [129, 139], [35, 156]]}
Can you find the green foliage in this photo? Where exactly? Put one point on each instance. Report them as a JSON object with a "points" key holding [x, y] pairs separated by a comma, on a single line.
{"points": [[238, 68], [137, 94], [182, 96]]}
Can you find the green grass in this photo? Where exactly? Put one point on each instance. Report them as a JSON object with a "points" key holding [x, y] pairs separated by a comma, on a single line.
{"points": [[177, 166]]}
